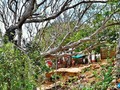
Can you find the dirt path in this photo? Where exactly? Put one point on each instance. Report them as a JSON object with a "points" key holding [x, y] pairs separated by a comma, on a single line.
{"points": [[74, 77]]}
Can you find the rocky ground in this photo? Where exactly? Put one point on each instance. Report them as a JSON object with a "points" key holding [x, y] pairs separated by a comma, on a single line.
{"points": [[82, 76]]}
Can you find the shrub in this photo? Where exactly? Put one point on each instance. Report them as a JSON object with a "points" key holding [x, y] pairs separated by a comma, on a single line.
{"points": [[16, 72]]}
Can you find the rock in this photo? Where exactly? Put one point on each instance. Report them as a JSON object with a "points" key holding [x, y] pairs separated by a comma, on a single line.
{"points": [[118, 80], [81, 76], [91, 76], [95, 66], [113, 82], [113, 88], [78, 81]]}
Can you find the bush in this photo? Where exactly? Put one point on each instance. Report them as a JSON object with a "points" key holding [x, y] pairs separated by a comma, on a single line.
{"points": [[16, 72]]}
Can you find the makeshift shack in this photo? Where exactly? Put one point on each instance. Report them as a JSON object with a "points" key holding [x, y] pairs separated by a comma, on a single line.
{"points": [[62, 62], [107, 52], [80, 59]]}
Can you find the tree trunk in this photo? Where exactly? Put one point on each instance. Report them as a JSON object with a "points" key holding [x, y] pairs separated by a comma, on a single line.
{"points": [[19, 36]]}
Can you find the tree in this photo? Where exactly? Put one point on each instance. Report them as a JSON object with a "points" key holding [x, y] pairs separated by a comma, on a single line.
{"points": [[53, 27], [30, 14]]}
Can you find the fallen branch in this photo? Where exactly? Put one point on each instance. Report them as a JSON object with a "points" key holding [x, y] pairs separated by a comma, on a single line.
{"points": [[75, 44]]}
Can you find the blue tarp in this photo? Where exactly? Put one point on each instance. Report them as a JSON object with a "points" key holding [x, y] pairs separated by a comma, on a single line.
{"points": [[78, 56]]}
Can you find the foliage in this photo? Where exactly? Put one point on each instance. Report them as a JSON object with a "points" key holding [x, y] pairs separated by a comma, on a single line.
{"points": [[105, 77], [34, 50], [19, 70], [109, 35], [16, 72]]}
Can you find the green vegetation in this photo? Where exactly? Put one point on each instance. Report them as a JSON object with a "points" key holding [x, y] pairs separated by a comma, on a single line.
{"points": [[25, 70], [105, 77], [19, 71], [15, 69]]}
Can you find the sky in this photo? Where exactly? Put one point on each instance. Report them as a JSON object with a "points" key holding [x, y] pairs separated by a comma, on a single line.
{"points": [[2, 28], [25, 31]]}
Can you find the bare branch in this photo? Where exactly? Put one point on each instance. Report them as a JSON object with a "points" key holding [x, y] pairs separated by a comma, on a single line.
{"points": [[87, 50], [63, 8], [74, 44], [27, 13]]}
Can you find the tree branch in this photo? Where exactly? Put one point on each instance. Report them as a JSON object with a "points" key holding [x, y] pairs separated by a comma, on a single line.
{"points": [[27, 13], [88, 49], [74, 44], [61, 10]]}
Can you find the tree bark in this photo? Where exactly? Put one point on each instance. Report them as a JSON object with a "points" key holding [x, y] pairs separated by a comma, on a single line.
{"points": [[19, 36], [10, 32]]}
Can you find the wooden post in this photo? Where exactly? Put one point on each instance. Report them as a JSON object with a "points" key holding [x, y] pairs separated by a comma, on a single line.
{"points": [[56, 65]]}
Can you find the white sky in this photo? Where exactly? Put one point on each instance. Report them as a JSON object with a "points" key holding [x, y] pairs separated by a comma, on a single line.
{"points": [[25, 31], [2, 28]]}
